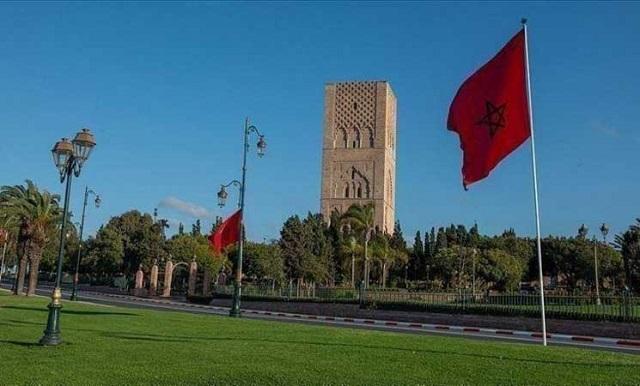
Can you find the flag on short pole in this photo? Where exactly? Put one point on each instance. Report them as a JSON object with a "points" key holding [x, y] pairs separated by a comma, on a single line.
{"points": [[492, 114], [227, 233]]}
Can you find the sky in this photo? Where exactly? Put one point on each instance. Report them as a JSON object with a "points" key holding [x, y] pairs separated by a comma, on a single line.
{"points": [[165, 88]]}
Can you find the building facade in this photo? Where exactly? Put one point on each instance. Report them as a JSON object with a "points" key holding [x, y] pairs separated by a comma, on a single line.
{"points": [[359, 152]]}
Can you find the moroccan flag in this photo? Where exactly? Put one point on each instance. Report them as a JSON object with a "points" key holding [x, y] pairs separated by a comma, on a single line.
{"points": [[490, 111], [227, 233]]}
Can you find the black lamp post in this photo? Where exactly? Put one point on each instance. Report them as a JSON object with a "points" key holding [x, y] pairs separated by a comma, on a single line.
{"points": [[76, 275], [222, 198], [68, 158]]}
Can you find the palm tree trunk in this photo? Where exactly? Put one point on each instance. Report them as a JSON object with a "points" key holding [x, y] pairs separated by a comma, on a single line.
{"points": [[35, 256], [353, 270], [22, 268], [384, 275], [366, 264], [33, 276]]}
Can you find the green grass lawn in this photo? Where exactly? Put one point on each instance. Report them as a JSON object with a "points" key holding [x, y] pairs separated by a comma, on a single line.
{"points": [[124, 346]]}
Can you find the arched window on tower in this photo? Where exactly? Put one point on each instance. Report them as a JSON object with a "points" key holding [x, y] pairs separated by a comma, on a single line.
{"points": [[346, 191], [345, 138], [356, 138], [371, 138], [359, 192]]}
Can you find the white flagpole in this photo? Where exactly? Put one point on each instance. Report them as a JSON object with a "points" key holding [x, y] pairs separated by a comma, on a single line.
{"points": [[535, 186]]}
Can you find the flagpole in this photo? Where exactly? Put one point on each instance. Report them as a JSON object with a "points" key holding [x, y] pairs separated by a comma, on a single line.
{"points": [[535, 186]]}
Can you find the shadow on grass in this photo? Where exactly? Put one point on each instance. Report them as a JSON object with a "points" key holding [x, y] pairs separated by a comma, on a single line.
{"points": [[21, 344], [70, 312], [181, 339]]}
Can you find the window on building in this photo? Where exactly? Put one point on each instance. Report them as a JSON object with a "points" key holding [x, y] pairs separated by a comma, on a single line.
{"points": [[356, 139], [345, 139]]}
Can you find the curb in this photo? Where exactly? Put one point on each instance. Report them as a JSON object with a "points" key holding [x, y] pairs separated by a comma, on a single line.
{"points": [[613, 342]]}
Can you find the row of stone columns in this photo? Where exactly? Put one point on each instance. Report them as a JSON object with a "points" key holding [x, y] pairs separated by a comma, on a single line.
{"points": [[169, 267]]}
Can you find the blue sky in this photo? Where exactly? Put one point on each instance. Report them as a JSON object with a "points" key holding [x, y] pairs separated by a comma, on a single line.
{"points": [[165, 88]]}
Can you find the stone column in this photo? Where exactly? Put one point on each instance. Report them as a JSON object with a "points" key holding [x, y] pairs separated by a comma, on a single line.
{"points": [[168, 274], [193, 275], [139, 283], [206, 283], [153, 285]]}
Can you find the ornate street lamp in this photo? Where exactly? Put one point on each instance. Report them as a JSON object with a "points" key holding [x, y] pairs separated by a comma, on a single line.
{"points": [[76, 275], [604, 229], [68, 158], [583, 231], [222, 198]]}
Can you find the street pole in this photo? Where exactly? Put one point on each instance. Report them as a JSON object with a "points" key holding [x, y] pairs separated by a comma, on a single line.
{"points": [[237, 284], [595, 257], [51, 335], [76, 275]]}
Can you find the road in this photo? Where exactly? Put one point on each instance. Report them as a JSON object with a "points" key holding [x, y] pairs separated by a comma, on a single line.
{"points": [[629, 346]]}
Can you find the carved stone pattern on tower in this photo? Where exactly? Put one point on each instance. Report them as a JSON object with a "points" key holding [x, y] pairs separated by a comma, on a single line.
{"points": [[355, 106]]}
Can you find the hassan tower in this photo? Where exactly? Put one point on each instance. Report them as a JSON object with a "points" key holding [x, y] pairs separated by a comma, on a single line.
{"points": [[359, 154]]}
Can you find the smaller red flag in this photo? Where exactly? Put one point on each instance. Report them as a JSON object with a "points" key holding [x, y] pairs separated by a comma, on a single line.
{"points": [[227, 233], [490, 112]]}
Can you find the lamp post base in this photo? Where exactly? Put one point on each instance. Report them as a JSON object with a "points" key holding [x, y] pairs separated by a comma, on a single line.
{"points": [[74, 290], [235, 305], [51, 335]]}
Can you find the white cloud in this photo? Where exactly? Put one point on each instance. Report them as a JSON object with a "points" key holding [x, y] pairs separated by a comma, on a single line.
{"points": [[186, 208], [606, 129]]}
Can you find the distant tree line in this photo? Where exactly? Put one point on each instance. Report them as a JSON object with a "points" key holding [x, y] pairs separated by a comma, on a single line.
{"points": [[343, 250]]}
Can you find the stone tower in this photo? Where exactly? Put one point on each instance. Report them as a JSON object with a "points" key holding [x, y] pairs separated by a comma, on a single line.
{"points": [[358, 155]]}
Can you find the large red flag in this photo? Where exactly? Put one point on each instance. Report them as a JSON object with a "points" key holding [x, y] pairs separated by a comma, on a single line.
{"points": [[227, 233], [490, 111]]}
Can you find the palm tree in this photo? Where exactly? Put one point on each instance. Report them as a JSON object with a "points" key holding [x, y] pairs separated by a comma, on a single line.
{"points": [[351, 248], [8, 228], [38, 212], [361, 220], [381, 251]]}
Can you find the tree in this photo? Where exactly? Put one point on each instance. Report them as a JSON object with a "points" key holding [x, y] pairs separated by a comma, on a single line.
{"points": [[38, 212], [316, 263], [142, 239], [397, 241], [337, 239], [196, 228], [628, 243], [293, 247], [500, 270], [399, 246], [361, 220], [380, 252], [416, 258], [105, 254], [181, 229], [351, 248], [264, 262]]}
